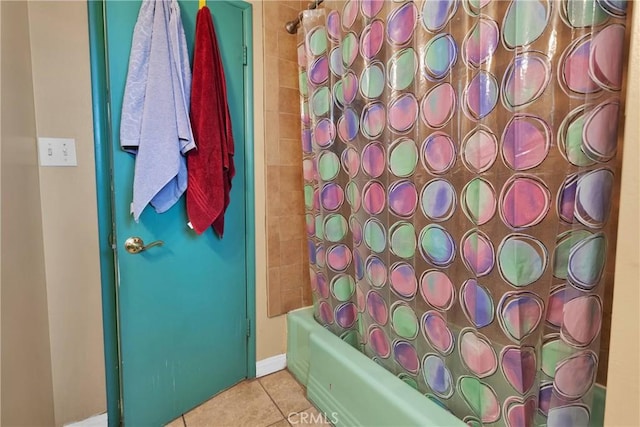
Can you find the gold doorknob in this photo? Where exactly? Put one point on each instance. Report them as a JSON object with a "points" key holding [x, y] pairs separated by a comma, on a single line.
{"points": [[135, 245]]}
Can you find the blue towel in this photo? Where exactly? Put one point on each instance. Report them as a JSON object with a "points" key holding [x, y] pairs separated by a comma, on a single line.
{"points": [[155, 109]]}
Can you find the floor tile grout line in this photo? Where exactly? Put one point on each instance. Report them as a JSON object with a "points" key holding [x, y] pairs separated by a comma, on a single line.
{"points": [[184, 420], [274, 402]]}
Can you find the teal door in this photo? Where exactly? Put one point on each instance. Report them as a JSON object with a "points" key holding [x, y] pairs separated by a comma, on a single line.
{"points": [[182, 307]]}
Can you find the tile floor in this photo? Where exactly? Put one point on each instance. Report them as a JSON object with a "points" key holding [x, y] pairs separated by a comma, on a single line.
{"points": [[276, 400]]}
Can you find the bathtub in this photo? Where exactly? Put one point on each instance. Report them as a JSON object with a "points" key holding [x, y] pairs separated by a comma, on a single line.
{"points": [[352, 390]]}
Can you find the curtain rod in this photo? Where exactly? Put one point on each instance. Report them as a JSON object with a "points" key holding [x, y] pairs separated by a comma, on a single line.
{"points": [[292, 26]]}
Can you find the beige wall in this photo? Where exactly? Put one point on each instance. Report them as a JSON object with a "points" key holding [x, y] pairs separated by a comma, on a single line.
{"points": [[62, 92], [623, 382], [26, 366]]}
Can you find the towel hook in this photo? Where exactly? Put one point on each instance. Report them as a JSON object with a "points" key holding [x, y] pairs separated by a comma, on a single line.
{"points": [[202, 3]]}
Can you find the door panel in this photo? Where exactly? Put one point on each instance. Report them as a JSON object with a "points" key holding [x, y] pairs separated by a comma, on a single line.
{"points": [[182, 306]]}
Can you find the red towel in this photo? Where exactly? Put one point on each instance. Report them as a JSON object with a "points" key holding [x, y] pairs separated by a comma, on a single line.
{"points": [[210, 167]]}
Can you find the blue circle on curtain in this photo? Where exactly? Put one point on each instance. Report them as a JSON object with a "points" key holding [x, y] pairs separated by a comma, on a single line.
{"points": [[438, 200], [335, 62], [358, 264], [477, 304], [480, 96], [437, 13], [437, 376], [437, 246], [348, 125]]}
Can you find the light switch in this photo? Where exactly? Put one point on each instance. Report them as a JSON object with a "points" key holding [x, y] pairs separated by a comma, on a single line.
{"points": [[57, 152]]}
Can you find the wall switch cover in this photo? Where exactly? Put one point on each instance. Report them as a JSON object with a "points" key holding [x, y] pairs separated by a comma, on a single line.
{"points": [[57, 152]]}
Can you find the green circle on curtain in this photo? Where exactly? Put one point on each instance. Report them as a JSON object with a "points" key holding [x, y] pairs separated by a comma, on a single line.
{"points": [[319, 227], [335, 227], [573, 143], [404, 321], [310, 223], [349, 49], [320, 101], [553, 352], [302, 81], [317, 41], [338, 93], [351, 338], [402, 69], [522, 259], [328, 165], [403, 158], [372, 81], [353, 196], [374, 236], [308, 196], [408, 380], [403, 239], [479, 201], [565, 243], [342, 287]]}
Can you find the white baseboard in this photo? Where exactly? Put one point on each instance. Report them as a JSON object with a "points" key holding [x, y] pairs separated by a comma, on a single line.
{"points": [[95, 421], [270, 365]]}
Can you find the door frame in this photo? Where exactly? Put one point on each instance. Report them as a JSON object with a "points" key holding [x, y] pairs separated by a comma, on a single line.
{"points": [[102, 133]]}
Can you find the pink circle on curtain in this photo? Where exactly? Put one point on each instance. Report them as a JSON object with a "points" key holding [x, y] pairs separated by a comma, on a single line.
{"points": [[349, 13], [406, 356], [525, 142], [481, 42], [379, 342], [403, 280], [519, 367], [323, 287], [575, 67], [350, 162], [525, 202], [377, 308], [375, 272], [332, 196], [436, 332], [313, 280], [479, 150], [403, 113], [373, 120], [576, 374], [356, 230], [605, 60], [372, 39], [438, 153], [309, 171], [373, 159], [326, 315], [437, 290], [600, 132], [360, 299], [339, 257], [582, 318], [403, 198], [477, 253], [371, 8], [373, 198], [324, 133], [438, 105], [477, 354], [349, 86]]}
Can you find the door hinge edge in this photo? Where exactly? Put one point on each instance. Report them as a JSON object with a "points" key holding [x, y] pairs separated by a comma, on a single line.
{"points": [[244, 55], [248, 331]]}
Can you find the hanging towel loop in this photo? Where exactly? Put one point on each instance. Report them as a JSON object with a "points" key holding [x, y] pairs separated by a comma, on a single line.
{"points": [[202, 3]]}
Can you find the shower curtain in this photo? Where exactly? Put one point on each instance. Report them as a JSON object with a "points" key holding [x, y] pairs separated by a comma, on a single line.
{"points": [[459, 167]]}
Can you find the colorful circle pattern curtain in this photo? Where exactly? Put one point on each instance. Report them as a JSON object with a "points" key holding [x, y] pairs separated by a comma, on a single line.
{"points": [[459, 169]]}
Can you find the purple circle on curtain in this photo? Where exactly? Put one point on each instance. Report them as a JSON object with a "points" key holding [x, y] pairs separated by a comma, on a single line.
{"points": [[593, 197], [335, 62], [477, 253], [319, 70], [481, 42], [555, 305], [576, 374], [437, 13], [438, 153], [339, 257], [371, 8], [353, 196], [373, 198], [373, 159], [311, 249], [348, 125], [525, 201], [438, 200], [323, 287], [324, 133], [479, 150], [574, 67], [566, 200], [403, 280], [438, 105], [437, 376], [349, 87], [358, 264], [320, 255], [582, 319], [549, 399], [403, 112], [377, 308], [346, 315], [356, 230], [379, 342], [371, 39], [401, 23], [349, 13], [332, 196], [519, 314], [375, 271], [373, 121], [326, 315], [476, 303], [600, 132], [403, 198], [437, 290], [519, 367], [307, 148], [605, 59], [436, 332], [525, 79], [481, 95], [333, 25], [350, 162], [525, 142], [406, 356]]}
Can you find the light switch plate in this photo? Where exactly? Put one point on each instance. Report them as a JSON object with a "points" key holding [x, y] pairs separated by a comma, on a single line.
{"points": [[57, 152]]}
